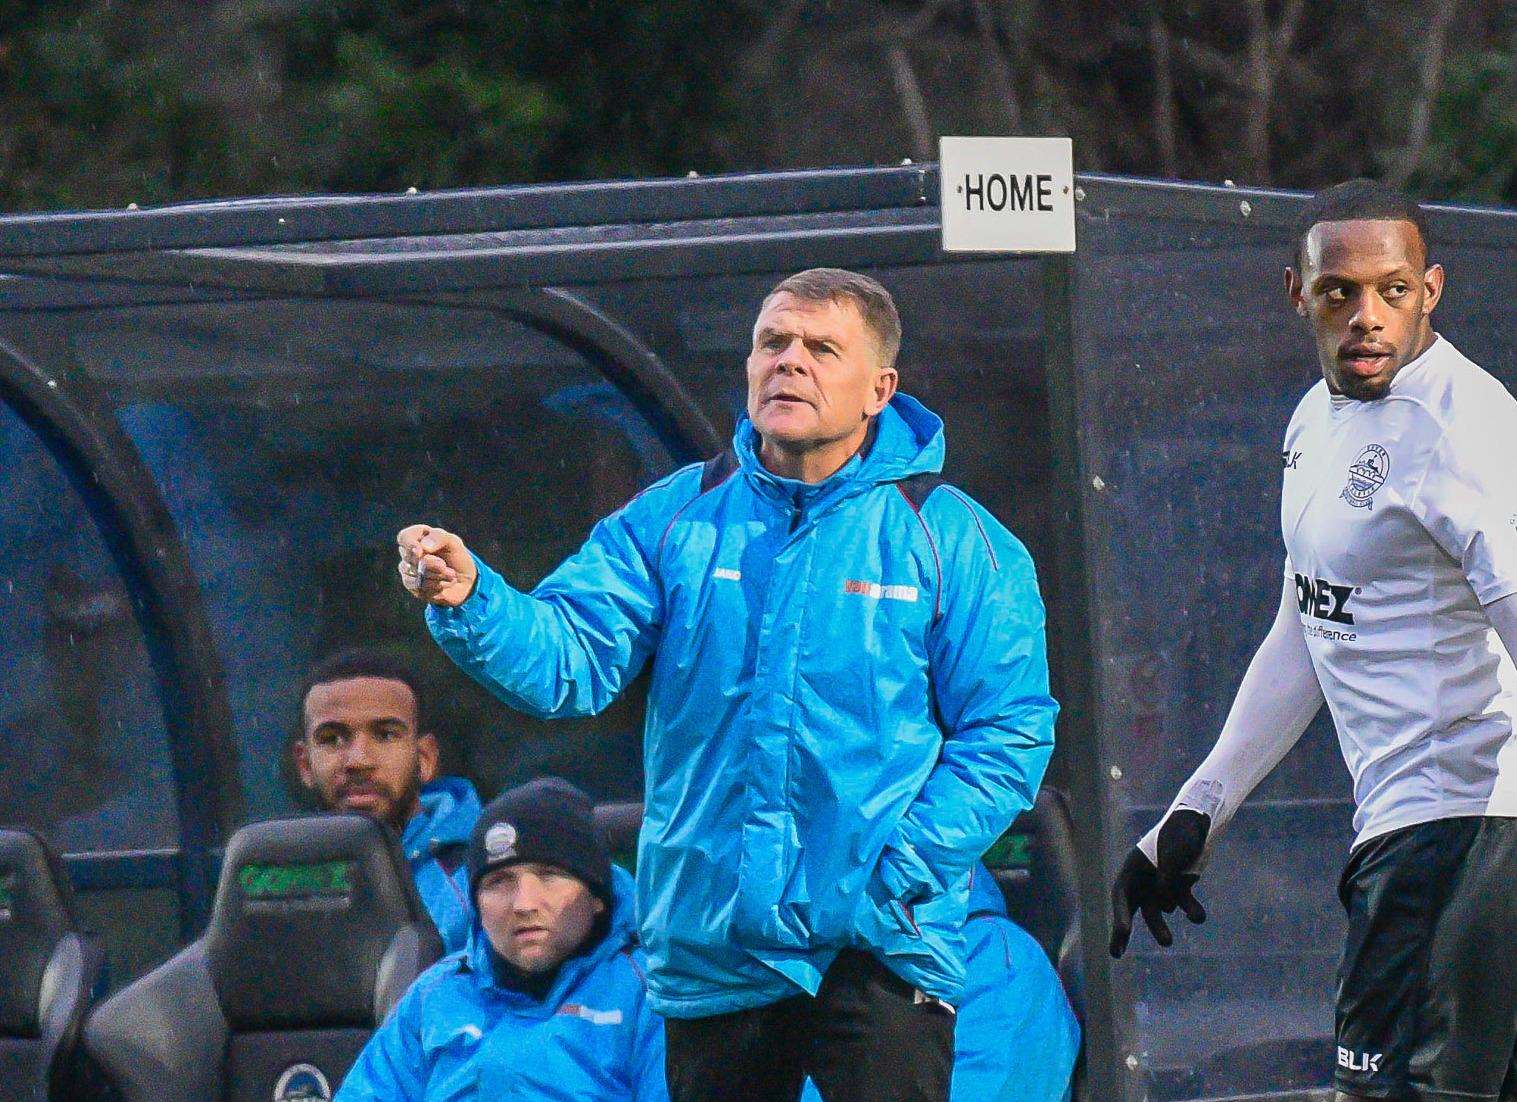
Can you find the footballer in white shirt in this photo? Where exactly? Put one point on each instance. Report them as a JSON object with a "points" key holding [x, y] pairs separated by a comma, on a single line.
{"points": [[1398, 609]]}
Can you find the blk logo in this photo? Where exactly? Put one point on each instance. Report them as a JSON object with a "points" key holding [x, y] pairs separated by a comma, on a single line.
{"points": [[1359, 1061], [1324, 600], [1289, 459]]}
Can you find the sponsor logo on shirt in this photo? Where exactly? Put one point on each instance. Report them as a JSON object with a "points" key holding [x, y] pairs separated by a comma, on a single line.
{"points": [[727, 575], [1289, 459], [880, 592], [1328, 603], [1323, 600], [1366, 474], [594, 1017], [1359, 1061]]}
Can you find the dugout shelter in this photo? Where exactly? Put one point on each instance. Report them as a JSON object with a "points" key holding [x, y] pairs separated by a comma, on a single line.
{"points": [[216, 416]]}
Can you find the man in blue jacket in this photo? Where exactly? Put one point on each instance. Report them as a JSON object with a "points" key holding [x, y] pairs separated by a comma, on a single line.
{"points": [[366, 746], [547, 1003], [849, 703]]}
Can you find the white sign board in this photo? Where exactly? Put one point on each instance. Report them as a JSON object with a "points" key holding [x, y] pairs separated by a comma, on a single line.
{"points": [[1007, 195]]}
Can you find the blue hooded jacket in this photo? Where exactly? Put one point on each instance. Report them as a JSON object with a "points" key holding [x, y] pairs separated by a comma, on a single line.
{"points": [[1016, 1038], [435, 841], [457, 1034], [849, 703]]}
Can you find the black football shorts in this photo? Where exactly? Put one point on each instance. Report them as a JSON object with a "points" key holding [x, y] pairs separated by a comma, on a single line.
{"points": [[1427, 990]]}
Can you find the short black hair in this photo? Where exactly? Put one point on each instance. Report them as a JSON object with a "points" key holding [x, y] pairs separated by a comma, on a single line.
{"points": [[1355, 200], [384, 662]]}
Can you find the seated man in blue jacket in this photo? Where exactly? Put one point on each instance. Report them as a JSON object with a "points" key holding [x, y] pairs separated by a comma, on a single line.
{"points": [[366, 746], [548, 1002], [848, 704], [1016, 1039]]}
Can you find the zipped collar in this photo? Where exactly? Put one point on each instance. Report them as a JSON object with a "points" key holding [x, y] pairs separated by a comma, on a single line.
{"points": [[449, 807], [905, 439]]}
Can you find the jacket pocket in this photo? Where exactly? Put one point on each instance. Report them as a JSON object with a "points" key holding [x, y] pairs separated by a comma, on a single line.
{"points": [[882, 921], [919, 939]]}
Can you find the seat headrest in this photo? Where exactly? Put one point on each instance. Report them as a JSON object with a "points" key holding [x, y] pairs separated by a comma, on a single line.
{"points": [[305, 912], [619, 825], [1034, 864], [36, 910]]}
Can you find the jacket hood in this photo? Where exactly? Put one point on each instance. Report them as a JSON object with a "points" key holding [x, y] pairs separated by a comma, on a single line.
{"points": [[623, 932], [449, 807], [908, 440], [985, 896]]}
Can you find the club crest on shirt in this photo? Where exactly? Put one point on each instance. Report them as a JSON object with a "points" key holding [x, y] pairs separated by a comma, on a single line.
{"points": [[1366, 474]]}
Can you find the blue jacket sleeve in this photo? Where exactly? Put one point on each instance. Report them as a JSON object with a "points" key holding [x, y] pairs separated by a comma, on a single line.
{"points": [[988, 664], [393, 1066], [568, 647]]}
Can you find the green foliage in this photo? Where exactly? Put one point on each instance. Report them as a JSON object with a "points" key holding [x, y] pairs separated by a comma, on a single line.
{"points": [[1472, 150], [95, 111], [104, 103]]}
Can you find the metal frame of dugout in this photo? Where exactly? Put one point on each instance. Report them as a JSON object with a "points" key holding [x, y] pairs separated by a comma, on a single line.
{"points": [[1168, 367]]}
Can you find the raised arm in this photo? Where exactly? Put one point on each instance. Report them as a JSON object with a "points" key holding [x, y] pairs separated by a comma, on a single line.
{"points": [[571, 645], [1275, 702]]}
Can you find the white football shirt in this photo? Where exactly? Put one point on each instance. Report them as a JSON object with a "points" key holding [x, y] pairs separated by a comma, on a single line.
{"points": [[1400, 522]]}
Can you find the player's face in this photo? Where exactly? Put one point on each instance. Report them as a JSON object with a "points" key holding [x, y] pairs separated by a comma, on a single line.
{"points": [[361, 750], [536, 915], [814, 376], [1366, 289]]}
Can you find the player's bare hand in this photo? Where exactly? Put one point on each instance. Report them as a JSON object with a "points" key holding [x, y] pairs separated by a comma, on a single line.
{"points": [[435, 566]]}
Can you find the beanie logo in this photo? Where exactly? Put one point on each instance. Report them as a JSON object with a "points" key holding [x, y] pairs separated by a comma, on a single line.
{"points": [[500, 842]]}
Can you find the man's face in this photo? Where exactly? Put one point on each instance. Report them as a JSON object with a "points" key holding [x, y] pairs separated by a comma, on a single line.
{"points": [[536, 915], [814, 375], [361, 750], [1366, 290]]}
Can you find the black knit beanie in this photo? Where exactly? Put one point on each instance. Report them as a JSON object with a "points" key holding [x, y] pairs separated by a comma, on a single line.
{"points": [[547, 821]]}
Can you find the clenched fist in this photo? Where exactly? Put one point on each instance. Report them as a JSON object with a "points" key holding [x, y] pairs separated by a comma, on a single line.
{"points": [[435, 565]]}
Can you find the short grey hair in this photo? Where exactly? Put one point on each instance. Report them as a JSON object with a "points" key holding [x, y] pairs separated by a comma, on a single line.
{"points": [[867, 295]]}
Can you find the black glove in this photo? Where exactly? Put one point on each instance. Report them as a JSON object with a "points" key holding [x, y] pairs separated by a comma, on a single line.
{"points": [[1159, 891]]}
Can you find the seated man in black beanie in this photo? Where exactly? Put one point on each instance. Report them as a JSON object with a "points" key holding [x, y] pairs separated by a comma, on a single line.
{"points": [[547, 1001]]}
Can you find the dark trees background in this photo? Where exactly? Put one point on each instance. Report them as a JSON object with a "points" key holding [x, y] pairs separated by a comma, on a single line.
{"points": [[104, 103]]}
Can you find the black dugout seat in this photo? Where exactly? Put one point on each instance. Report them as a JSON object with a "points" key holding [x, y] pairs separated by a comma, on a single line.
{"points": [[47, 971], [316, 932], [1034, 865]]}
